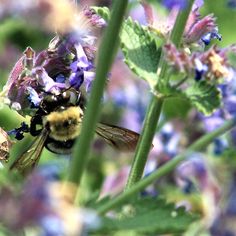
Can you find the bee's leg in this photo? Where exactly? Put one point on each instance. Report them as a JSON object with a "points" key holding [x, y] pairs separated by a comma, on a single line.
{"points": [[35, 120]]}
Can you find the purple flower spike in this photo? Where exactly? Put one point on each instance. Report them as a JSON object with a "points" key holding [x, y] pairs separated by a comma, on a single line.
{"points": [[200, 28]]}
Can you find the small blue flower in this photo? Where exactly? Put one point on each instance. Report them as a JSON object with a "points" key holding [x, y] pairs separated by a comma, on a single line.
{"points": [[220, 144], [166, 133], [19, 132], [206, 39], [200, 69]]}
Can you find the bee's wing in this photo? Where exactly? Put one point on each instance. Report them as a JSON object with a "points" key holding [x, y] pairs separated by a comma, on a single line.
{"points": [[29, 159], [120, 138]]}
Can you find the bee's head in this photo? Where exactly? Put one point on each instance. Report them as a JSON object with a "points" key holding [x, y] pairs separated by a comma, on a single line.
{"points": [[67, 98]]}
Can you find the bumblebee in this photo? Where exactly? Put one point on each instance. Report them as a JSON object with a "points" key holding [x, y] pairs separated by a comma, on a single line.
{"points": [[57, 124]]}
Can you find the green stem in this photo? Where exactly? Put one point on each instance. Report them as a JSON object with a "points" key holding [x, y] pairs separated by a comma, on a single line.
{"points": [[155, 106], [180, 82], [106, 54], [180, 22], [145, 141], [167, 168]]}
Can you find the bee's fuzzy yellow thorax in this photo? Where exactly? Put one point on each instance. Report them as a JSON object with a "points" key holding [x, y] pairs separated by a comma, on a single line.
{"points": [[64, 125]]}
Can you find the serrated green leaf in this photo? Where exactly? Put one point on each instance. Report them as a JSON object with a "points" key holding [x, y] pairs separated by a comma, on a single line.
{"points": [[204, 96], [139, 47], [140, 50], [150, 215], [104, 12]]}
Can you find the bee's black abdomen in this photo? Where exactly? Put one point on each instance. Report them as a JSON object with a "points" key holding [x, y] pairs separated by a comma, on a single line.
{"points": [[59, 147]]}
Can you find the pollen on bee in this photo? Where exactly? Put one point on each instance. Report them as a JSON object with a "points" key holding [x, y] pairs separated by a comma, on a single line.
{"points": [[64, 125]]}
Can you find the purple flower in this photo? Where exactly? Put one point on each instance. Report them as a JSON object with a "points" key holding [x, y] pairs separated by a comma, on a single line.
{"points": [[34, 96], [193, 168], [213, 64], [200, 69], [64, 64], [200, 28], [220, 145], [19, 132], [81, 69], [76, 79], [211, 35], [48, 84], [169, 4], [88, 79], [94, 19], [82, 60], [214, 121]]}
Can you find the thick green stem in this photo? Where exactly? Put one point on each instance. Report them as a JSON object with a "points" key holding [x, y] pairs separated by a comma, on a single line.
{"points": [[167, 168], [105, 56], [145, 141], [155, 106]]}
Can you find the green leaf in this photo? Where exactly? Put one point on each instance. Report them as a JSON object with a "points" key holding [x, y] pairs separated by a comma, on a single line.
{"points": [[150, 215], [140, 50], [139, 46], [175, 107], [204, 96], [104, 12]]}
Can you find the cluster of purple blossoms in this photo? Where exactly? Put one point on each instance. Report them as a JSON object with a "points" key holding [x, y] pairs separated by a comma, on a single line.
{"points": [[63, 65], [197, 30], [212, 64], [66, 63]]}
